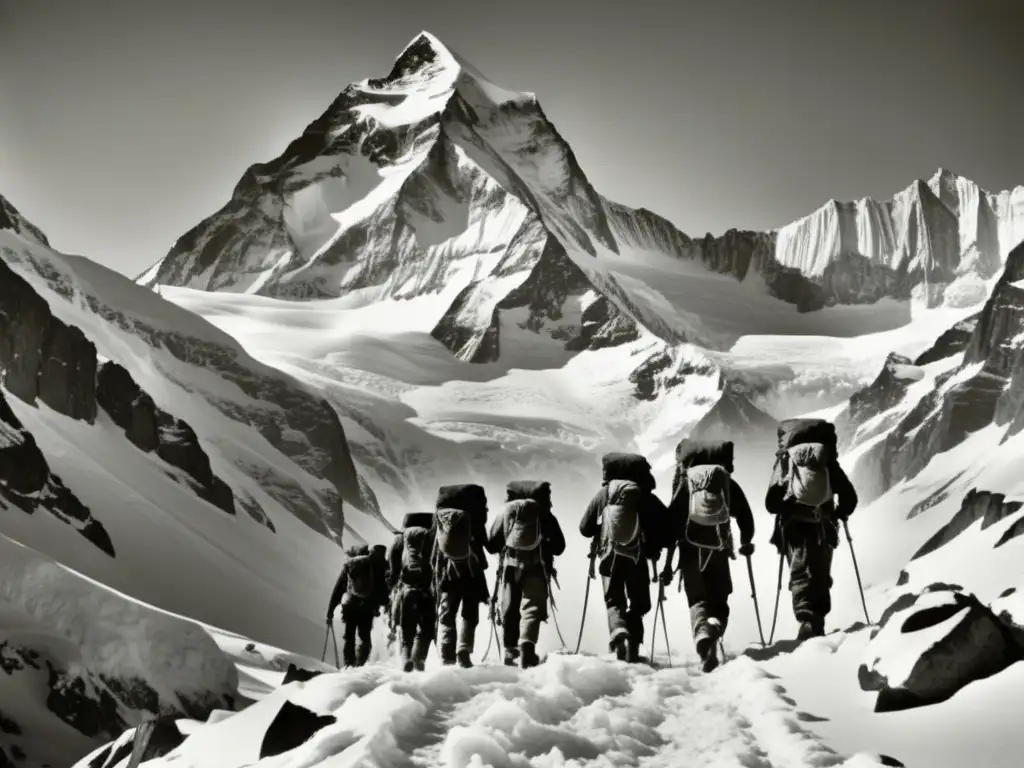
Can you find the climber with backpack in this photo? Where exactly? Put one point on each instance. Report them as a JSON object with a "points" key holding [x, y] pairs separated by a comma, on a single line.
{"points": [[625, 522], [809, 494], [410, 582], [705, 501], [357, 592], [459, 562], [527, 537]]}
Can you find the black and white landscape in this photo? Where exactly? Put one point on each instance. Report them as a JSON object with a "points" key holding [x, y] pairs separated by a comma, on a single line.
{"points": [[425, 288]]}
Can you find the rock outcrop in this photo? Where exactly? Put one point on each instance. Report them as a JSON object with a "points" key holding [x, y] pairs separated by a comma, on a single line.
{"points": [[952, 342], [888, 389], [27, 482], [930, 645], [977, 505], [153, 430], [41, 357]]}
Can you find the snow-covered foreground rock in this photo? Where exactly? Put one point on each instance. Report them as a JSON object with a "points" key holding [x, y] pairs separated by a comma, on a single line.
{"points": [[80, 663], [573, 711]]}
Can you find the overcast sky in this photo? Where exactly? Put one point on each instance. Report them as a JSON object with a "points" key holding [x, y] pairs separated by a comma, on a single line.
{"points": [[124, 122]]}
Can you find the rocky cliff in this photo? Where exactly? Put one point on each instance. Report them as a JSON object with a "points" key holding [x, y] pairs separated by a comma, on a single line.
{"points": [[52, 360], [984, 387], [27, 483], [153, 430]]}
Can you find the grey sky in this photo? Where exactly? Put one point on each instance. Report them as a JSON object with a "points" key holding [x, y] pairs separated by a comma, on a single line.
{"points": [[124, 122]]}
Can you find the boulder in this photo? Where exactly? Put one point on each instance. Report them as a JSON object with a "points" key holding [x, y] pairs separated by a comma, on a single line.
{"points": [[930, 645], [293, 726]]}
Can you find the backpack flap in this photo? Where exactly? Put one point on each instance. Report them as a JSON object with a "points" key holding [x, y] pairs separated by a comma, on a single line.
{"points": [[708, 516], [709, 495], [808, 483], [360, 576], [620, 520]]}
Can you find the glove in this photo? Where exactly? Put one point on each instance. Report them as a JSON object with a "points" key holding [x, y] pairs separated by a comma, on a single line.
{"points": [[330, 616], [666, 577], [746, 550]]}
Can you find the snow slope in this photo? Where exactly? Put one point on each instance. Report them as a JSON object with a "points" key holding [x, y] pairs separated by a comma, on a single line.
{"points": [[575, 711]]}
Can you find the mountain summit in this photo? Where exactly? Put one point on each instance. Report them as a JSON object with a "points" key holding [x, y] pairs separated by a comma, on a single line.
{"points": [[434, 181]]}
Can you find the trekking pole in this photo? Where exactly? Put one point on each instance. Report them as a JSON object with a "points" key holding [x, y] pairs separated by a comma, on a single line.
{"points": [[327, 639], [586, 598], [554, 619], [778, 595], [654, 627], [753, 596], [664, 625], [856, 570]]}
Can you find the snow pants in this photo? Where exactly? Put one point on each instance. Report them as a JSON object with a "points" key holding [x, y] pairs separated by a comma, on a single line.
{"points": [[627, 599], [458, 599], [357, 615], [809, 549], [524, 604], [707, 590], [414, 615]]}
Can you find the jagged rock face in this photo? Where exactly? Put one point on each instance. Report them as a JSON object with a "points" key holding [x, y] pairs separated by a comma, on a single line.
{"points": [[153, 430], [434, 178], [977, 505], [955, 639], [987, 387], [888, 389], [304, 427], [42, 357], [27, 483], [952, 342], [11, 218]]}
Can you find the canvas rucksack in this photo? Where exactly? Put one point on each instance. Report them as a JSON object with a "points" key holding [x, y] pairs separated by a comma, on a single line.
{"points": [[523, 526], [807, 478], [360, 576], [415, 556], [454, 534], [708, 516], [620, 520]]}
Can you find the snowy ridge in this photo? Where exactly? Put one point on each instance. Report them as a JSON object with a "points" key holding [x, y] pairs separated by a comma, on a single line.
{"points": [[434, 181], [82, 663]]}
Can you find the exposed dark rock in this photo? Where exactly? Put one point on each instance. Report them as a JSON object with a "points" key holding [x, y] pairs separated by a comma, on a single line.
{"points": [[89, 709], [977, 505], [165, 738], [951, 342], [27, 482], [298, 674], [883, 393], [977, 646], [903, 578], [151, 429], [292, 727], [40, 356], [662, 371]]}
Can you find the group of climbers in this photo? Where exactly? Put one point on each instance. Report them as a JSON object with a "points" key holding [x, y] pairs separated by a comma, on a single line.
{"points": [[432, 579]]}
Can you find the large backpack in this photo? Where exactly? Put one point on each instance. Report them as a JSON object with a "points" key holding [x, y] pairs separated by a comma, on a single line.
{"points": [[806, 448], [621, 533], [454, 534], [706, 468], [523, 526], [361, 580], [416, 547]]}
